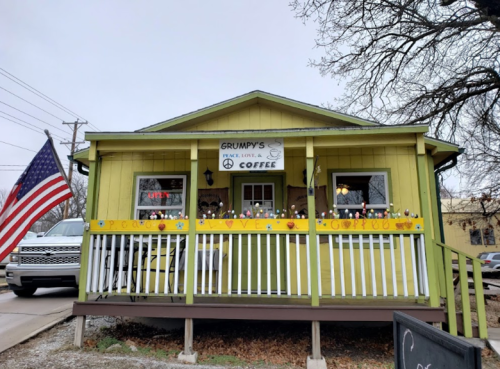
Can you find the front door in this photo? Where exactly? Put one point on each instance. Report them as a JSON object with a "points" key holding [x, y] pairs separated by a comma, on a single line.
{"points": [[267, 191]]}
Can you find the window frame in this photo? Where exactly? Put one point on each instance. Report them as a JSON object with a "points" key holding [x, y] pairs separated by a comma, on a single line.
{"points": [[138, 207], [261, 202], [359, 173]]}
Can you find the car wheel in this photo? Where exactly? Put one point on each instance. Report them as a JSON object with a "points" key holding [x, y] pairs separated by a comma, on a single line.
{"points": [[25, 292]]}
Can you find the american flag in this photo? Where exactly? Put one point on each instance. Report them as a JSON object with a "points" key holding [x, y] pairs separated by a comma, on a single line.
{"points": [[42, 186]]}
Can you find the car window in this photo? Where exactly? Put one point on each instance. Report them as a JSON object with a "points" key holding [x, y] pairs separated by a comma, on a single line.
{"points": [[66, 229], [496, 257], [483, 256]]}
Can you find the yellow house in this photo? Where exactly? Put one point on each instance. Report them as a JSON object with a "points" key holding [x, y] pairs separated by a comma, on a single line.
{"points": [[262, 207], [470, 226]]}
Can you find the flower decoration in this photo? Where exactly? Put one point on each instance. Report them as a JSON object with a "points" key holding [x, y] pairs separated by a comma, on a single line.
{"points": [[101, 223], [269, 227], [418, 227], [202, 221], [179, 225], [320, 221]]}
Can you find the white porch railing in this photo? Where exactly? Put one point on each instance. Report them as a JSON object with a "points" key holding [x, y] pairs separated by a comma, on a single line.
{"points": [[259, 265]]}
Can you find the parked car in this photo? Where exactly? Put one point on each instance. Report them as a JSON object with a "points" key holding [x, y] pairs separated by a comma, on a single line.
{"points": [[491, 259], [49, 261], [28, 235]]}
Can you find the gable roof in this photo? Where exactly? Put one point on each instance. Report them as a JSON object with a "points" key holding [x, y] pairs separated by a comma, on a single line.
{"points": [[252, 98]]}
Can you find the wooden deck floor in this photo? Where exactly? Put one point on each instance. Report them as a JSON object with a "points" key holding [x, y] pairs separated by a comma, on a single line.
{"points": [[259, 308]]}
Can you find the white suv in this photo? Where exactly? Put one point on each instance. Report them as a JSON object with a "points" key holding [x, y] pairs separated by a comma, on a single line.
{"points": [[49, 261]]}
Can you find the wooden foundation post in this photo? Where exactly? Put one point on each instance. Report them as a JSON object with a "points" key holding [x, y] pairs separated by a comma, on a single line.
{"points": [[316, 361], [79, 331], [188, 355]]}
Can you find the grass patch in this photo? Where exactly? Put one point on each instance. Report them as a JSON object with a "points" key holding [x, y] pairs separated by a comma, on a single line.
{"points": [[224, 360], [103, 344]]}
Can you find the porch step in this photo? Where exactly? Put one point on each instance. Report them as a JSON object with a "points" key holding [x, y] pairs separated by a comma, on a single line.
{"points": [[460, 325]]}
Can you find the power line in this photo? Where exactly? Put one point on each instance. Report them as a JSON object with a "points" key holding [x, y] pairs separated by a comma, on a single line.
{"points": [[42, 95], [24, 148], [10, 106], [26, 101], [62, 138]]}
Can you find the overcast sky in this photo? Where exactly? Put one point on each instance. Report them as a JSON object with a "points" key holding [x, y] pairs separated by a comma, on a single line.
{"points": [[124, 65]]}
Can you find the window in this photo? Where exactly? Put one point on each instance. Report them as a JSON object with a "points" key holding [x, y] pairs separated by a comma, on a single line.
{"points": [[160, 193], [261, 193], [351, 189], [481, 237]]}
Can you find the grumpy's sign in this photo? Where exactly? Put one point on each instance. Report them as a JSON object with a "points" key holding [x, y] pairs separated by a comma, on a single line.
{"points": [[251, 154]]}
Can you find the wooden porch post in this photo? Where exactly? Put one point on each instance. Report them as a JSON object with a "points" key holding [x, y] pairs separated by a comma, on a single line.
{"points": [[193, 199], [84, 251], [423, 186], [316, 361], [311, 211], [188, 355]]}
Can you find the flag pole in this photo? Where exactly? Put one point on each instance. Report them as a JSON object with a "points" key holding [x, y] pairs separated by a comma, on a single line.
{"points": [[58, 162]]}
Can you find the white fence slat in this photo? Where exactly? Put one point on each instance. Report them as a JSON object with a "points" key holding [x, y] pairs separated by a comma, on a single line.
{"points": [[424, 266], [203, 263], [139, 265], [259, 266], [219, 271], [268, 241], [102, 267], [341, 262], [249, 265], [148, 263], [362, 266], [120, 264], [211, 266], [186, 253], [393, 267], [166, 287], [382, 265], [111, 272], [240, 248], [230, 262], [278, 266], [332, 268], [97, 255], [195, 271], [90, 263], [308, 266], [403, 264], [372, 267], [176, 265], [352, 262], [297, 250], [131, 249], [420, 269], [288, 267], [158, 265], [319, 266]]}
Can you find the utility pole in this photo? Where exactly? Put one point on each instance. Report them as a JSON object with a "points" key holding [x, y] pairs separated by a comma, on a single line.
{"points": [[73, 143]]}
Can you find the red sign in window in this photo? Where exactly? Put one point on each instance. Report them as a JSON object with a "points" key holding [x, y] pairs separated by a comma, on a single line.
{"points": [[158, 195]]}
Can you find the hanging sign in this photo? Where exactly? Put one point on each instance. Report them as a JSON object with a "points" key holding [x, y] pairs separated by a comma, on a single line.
{"points": [[251, 154]]}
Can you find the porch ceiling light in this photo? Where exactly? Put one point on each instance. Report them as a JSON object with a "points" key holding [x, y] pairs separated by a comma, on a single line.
{"points": [[208, 177]]}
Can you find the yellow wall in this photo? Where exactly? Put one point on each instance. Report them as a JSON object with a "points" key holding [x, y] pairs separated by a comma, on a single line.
{"points": [[455, 236], [258, 117], [117, 173]]}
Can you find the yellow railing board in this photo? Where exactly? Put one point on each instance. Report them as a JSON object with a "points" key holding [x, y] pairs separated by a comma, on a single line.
{"points": [[180, 225]]}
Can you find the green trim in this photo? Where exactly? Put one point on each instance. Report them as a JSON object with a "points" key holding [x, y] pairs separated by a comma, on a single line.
{"points": [[450, 293], [216, 135], [464, 294], [256, 96], [459, 252], [330, 195], [441, 145], [134, 186], [84, 257], [429, 242], [83, 154], [193, 195], [313, 246], [480, 306]]}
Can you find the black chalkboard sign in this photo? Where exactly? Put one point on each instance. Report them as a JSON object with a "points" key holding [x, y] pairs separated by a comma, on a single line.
{"points": [[418, 345]]}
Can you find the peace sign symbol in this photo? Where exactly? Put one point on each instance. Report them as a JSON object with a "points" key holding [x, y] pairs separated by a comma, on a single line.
{"points": [[227, 163]]}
